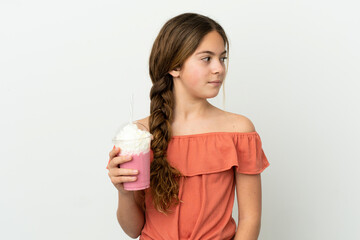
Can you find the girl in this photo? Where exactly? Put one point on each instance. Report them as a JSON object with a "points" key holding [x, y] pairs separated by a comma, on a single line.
{"points": [[199, 153]]}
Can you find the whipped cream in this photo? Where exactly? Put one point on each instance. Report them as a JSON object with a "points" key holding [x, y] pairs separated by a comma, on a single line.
{"points": [[132, 140]]}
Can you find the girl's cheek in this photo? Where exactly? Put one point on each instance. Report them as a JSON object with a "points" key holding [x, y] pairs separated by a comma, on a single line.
{"points": [[195, 75], [195, 80]]}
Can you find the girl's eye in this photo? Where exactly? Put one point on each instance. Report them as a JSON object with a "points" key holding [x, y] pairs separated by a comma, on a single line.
{"points": [[206, 59]]}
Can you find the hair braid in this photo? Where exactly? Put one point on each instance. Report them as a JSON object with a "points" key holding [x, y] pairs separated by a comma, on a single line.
{"points": [[163, 177]]}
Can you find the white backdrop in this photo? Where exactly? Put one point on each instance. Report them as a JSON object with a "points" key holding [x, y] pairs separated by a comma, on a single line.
{"points": [[67, 69]]}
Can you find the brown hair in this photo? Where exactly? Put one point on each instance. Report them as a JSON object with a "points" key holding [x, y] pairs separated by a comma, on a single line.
{"points": [[176, 41]]}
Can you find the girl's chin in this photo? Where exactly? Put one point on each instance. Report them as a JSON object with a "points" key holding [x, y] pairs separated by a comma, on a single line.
{"points": [[212, 95]]}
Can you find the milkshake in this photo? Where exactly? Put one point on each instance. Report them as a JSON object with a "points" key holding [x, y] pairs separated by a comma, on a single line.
{"points": [[135, 142]]}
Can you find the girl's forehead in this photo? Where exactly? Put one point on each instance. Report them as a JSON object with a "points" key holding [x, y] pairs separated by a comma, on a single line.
{"points": [[211, 42]]}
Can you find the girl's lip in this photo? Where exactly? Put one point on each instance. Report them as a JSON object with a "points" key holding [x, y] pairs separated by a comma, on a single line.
{"points": [[215, 83]]}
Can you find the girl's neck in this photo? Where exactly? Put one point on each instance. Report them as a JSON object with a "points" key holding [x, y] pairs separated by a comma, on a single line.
{"points": [[192, 112]]}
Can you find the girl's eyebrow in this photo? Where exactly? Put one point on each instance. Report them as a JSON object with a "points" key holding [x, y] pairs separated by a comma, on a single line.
{"points": [[210, 52]]}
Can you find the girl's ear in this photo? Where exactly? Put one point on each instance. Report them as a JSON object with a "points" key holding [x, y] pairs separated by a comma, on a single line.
{"points": [[175, 73]]}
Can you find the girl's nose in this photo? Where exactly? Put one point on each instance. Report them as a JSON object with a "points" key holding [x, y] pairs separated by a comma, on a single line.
{"points": [[218, 66]]}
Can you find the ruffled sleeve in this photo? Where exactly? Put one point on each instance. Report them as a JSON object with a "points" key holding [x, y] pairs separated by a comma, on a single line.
{"points": [[218, 151], [251, 158]]}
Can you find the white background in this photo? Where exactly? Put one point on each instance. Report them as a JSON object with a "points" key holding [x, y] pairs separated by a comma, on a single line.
{"points": [[67, 69]]}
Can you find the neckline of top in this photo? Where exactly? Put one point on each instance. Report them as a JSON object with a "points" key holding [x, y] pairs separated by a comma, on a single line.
{"points": [[212, 133]]}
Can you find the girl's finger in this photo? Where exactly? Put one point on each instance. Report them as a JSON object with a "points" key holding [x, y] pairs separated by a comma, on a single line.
{"points": [[124, 172], [114, 152], [119, 160], [122, 179]]}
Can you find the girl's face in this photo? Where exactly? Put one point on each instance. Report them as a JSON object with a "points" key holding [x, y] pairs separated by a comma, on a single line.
{"points": [[203, 72]]}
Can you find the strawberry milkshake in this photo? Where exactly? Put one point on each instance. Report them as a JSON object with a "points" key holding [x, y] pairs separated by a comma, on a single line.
{"points": [[135, 142]]}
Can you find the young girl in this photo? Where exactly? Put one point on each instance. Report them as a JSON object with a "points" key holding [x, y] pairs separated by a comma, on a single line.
{"points": [[199, 153]]}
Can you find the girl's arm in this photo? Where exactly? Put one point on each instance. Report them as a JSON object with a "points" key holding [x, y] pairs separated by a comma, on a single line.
{"points": [[248, 193], [130, 214], [131, 206]]}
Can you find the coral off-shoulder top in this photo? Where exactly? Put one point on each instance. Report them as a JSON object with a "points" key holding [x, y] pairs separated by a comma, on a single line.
{"points": [[208, 162]]}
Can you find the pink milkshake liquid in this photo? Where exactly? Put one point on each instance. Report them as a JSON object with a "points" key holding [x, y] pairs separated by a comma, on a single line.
{"points": [[140, 162]]}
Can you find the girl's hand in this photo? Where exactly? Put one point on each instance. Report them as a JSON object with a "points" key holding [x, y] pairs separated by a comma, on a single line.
{"points": [[120, 175]]}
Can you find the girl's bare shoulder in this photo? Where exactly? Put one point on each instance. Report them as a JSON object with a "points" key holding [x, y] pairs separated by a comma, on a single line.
{"points": [[143, 123], [233, 122], [236, 122]]}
